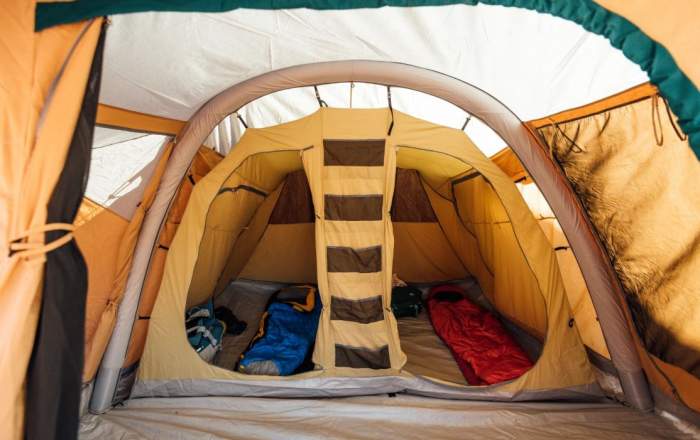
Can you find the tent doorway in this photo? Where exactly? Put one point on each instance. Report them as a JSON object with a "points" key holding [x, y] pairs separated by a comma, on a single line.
{"points": [[276, 248]]}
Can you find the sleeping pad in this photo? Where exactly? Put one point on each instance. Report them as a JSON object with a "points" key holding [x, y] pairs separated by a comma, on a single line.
{"points": [[484, 351], [286, 335]]}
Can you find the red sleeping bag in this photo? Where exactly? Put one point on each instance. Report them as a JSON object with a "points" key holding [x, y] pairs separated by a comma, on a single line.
{"points": [[485, 352]]}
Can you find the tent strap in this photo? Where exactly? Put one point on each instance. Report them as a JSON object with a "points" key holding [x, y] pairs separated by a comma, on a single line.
{"points": [[240, 119], [20, 248], [321, 102], [466, 122], [391, 109], [576, 148]]}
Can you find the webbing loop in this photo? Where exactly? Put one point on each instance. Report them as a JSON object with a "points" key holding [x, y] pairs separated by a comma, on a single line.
{"points": [[679, 132]]}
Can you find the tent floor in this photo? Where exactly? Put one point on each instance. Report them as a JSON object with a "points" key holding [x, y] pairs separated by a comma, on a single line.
{"points": [[426, 354], [370, 417]]}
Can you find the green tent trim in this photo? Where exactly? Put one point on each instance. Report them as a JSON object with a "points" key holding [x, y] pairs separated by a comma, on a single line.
{"points": [[682, 95]]}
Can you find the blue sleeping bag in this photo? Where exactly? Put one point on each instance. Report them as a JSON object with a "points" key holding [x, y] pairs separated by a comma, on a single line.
{"points": [[287, 339]]}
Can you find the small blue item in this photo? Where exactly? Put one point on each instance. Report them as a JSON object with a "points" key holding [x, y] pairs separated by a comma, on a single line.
{"points": [[204, 331], [289, 337]]}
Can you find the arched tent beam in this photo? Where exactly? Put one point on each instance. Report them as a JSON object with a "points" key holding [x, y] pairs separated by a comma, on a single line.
{"points": [[651, 56], [599, 275]]}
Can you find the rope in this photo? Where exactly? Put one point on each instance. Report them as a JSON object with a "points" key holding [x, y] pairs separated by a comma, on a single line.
{"points": [[240, 119], [574, 146], [391, 109], [605, 123], [22, 249], [550, 144], [656, 121], [679, 132]]}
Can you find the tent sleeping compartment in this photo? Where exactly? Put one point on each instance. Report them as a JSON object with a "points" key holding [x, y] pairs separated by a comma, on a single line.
{"points": [[425, 256], [529, 167], [351, 163]]}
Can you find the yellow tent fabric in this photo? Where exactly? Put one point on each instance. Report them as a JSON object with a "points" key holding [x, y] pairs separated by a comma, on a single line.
{"points": [[97, 343], [675, 27], [585, 317], [203, 162], [643, 200], [42, 75], [48, 70], [98, 233], [264, 156]]}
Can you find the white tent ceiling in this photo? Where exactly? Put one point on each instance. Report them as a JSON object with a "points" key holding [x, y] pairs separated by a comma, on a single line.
{"points": [[122, 163], [169, 64]]}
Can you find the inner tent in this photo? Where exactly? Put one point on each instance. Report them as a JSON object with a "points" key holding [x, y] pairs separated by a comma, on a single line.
{"points": [[354, 202]]}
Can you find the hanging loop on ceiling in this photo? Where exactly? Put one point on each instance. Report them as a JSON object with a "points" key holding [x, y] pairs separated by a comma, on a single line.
{"points": [[679, 132], [240, 119], [352, 86], [656, 121], [321, 102], [466, 122], [391, 110], [573, 146]]}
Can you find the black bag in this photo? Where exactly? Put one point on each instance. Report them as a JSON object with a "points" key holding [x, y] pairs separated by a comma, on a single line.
{"points": [[406, 301]]}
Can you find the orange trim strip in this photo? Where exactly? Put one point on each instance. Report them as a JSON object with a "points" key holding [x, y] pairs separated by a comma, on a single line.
{"points": [[509, 163], [121, 118], [634, 94]]}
